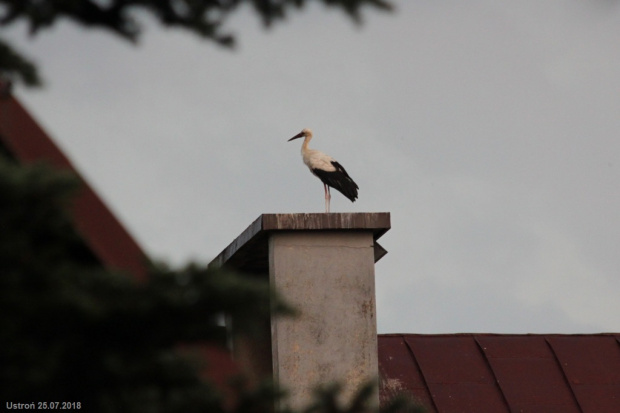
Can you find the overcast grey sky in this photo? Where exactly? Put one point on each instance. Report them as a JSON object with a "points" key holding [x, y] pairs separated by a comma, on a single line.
{"points": [[488, 129]]}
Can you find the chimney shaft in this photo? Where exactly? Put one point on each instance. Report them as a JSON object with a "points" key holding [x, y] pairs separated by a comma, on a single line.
{"points": [[329, 278], [322, 264]]}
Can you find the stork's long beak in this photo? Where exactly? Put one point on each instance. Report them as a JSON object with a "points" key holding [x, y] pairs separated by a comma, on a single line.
{"points": [[299, 135]]}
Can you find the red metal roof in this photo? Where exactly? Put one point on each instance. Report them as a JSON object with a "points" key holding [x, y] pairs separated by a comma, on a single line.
{"points": [[99, 228], [480, 373]]}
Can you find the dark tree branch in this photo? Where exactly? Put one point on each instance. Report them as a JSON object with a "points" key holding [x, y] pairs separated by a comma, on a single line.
{"points": [[202, 17], [13, 63]]}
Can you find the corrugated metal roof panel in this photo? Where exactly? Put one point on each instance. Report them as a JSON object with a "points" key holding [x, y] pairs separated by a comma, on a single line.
{"points": [[457, 375], [592, 367], [402, 373], [528, 373], [498, 373], [466, 397]]}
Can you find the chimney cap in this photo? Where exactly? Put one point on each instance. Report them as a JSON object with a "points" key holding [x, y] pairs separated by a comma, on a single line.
{"points": [[248, 252]]}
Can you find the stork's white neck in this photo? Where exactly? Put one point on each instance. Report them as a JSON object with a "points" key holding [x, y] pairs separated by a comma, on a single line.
{"points": [[304, 146]]}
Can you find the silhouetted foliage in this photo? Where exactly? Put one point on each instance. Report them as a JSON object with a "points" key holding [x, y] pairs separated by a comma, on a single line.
{"points": [[12, 63], [202, 17], [327, 401], [72, 331]]}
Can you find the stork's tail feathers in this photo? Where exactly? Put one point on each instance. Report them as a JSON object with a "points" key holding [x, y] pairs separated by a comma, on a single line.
{"points": [[339, 180]]}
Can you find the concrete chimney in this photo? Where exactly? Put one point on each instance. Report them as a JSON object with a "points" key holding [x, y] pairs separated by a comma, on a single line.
{"points": [[322, 264]]}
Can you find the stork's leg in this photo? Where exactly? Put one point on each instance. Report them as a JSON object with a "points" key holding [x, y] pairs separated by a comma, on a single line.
{"points": [[327, 198]]}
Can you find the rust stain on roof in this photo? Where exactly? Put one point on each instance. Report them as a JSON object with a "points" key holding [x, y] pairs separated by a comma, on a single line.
{"points": [[503, 373]]}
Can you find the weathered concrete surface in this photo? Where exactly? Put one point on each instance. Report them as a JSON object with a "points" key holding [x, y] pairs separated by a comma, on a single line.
{"points": [[329, 278], [323, 264]]}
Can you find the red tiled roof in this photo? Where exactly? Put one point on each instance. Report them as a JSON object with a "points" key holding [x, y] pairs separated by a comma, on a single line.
{"points": [[503, 373], [100, 229]]}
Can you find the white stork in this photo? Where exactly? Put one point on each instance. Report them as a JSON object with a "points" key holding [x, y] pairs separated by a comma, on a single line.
{"points": [[327, 169]]}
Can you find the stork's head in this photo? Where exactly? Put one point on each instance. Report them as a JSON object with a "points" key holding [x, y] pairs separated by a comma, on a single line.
{"points": [[305, 133]]}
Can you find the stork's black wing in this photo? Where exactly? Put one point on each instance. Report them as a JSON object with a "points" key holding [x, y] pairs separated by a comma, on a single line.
{"points": [[338, 179]]}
